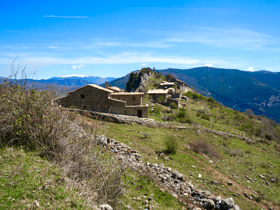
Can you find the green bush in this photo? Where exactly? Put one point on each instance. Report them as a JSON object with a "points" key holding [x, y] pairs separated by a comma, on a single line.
{"points": [[205, 117], [160, 98], [173, 105], [211, 100], [182, 113], [171, 144], [157, 109]]}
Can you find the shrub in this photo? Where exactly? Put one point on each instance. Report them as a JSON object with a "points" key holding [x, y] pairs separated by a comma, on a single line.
{"points": [[157, 109], [172, 117], [160, 98], [182, 113], [171, 144], [211, 100], [204, 147], [185, 120], [205, 117], [173, 105]]}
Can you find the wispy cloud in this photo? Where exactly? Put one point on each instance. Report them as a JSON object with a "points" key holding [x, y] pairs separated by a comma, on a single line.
{"points": [[143, 64], [56, 16], [53, 47], [232, 38], [155, 44], [77, 66], [122, 58]]}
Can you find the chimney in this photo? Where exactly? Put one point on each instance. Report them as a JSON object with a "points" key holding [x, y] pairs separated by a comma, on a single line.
{"points": [[106, 85]]}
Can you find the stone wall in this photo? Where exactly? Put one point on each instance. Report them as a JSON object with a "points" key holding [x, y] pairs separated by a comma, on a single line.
{"points": [[87, 97], [99, 99], [131, 99]]}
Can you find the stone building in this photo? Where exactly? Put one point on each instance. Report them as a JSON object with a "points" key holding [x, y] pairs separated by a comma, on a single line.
{"points": [[158, 95], [101, 99]]}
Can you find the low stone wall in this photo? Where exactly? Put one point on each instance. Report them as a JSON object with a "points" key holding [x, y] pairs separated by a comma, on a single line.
{"points": [[151, 123], [170, 180]]}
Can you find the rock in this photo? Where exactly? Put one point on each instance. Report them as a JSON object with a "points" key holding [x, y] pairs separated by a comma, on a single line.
{"points": [[218, 198], [229, 183], [150, 207], [210, 204], [199, 176], [175, 174], [190, 206], [105, 207], [37, 204], [227, 203], [261, 176], [128, 206], [174, 195], [236, 207]]}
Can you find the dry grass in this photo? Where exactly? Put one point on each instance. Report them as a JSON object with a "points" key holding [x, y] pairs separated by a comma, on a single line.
{"points": [[204, 148]]}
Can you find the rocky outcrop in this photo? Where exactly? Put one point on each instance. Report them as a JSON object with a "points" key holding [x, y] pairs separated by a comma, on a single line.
{"points": [[139, 80]]}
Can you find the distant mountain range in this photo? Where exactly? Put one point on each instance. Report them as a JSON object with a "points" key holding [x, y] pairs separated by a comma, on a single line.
{"points": [[240, 90], [70, 82]]}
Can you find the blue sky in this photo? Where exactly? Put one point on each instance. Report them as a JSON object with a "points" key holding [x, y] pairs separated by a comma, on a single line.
{"points": [[113, 38]]}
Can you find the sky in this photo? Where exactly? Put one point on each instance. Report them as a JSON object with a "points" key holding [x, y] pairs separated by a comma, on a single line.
{"points": [[113, 38]]}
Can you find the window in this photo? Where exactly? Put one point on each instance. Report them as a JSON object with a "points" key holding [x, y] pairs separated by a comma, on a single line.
{"points": [[133, 98], [83, 96]]}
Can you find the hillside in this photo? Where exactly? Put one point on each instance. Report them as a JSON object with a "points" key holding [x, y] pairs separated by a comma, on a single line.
{"points": [[237, 89], [202, 156]]}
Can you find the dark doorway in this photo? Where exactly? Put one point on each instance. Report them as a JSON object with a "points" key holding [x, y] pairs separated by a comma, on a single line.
{"points": [[139, 113]]}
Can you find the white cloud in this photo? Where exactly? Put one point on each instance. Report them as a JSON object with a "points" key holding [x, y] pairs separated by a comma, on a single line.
{"points": [[55, 16], [77, 66], [250, 69], [121, 58], [143, 64], [53, 47], [232, 38], [209, 65], [156, 44]]}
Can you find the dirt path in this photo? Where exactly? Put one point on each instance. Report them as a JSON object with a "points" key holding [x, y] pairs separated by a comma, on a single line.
{"points": [[240, 188]]}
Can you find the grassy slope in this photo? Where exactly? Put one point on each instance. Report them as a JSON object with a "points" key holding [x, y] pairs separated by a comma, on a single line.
{"points": [[223, 170], [26, 178]]}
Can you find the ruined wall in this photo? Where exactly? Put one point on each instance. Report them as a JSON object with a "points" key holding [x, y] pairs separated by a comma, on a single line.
{"points": [[133, 110], [120, 107], [180, 84], [130, 99], [88, 98]]}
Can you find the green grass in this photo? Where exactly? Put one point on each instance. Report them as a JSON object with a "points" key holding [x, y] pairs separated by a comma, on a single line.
{"points": [[145, 188], [229, 165], [26, 178]]}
